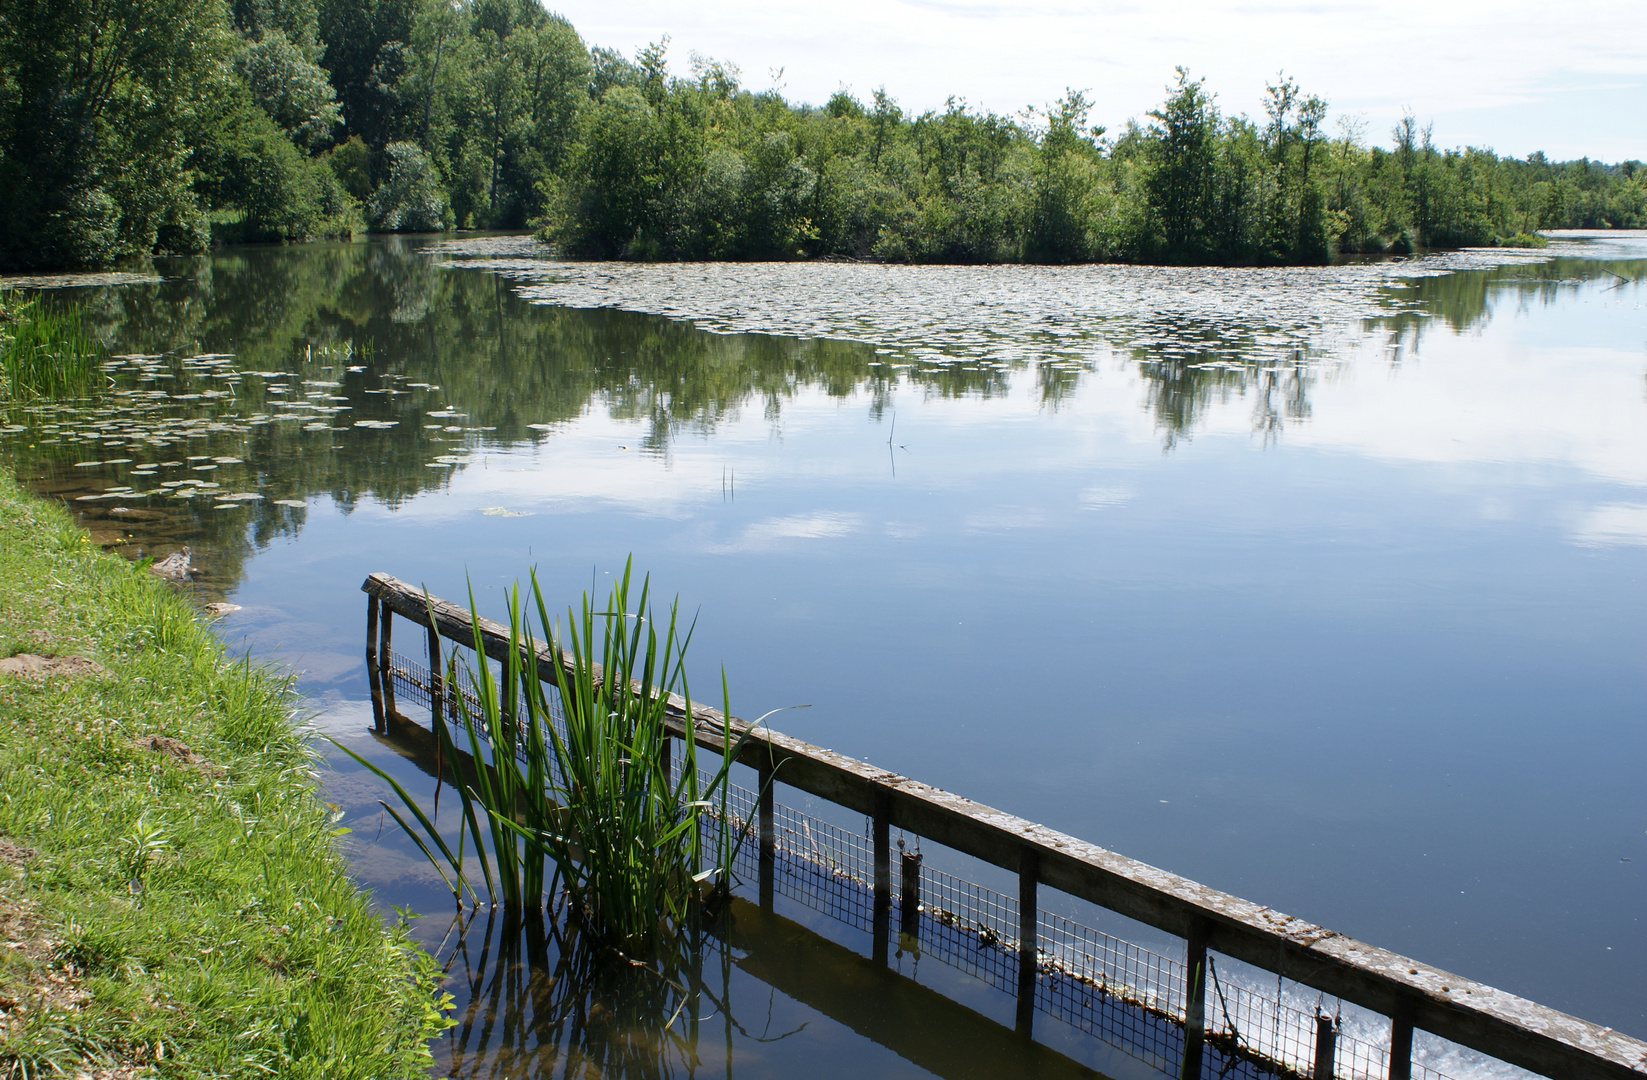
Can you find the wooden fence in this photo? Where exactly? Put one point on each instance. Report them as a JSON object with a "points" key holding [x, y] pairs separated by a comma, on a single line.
{"points": [[1412, 994]]}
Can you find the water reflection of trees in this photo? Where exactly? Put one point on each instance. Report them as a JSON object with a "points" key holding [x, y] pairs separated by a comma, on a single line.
{"points": [[1190, 367], [320, 311], [393, 311], [1468, 299]]}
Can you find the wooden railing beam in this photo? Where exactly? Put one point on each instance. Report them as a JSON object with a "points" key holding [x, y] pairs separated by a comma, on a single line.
{"points": [[1502, 1025]]}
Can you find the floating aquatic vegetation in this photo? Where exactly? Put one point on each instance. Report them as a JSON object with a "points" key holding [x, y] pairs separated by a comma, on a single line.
{"points": [[195, 411]]}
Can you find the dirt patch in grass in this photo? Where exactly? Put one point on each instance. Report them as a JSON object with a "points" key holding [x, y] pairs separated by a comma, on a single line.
{"points": [[38, 992], [40, 667]]}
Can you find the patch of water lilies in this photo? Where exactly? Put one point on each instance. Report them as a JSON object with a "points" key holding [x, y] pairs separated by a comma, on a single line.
{"points": [[153, 418]]}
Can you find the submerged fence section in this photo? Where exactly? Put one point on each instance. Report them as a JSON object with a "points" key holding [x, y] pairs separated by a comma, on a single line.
{"points": [[1176, 1013]]}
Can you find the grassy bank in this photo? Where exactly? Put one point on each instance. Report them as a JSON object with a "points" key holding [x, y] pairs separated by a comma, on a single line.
{"points": [[169, 891]]}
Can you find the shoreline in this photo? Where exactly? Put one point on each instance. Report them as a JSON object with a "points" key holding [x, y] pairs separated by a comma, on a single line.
{"points": [[170, 881]]}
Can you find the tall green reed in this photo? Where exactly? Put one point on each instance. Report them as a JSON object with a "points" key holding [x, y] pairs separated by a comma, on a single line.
{"points": [[45, 349], [635, 845]]}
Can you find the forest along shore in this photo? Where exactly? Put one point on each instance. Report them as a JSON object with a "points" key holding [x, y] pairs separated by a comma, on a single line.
{"points": [[302, 120], [170, 890]]}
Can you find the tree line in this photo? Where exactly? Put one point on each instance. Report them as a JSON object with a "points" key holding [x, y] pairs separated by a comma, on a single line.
{"points": [[130, 127]]}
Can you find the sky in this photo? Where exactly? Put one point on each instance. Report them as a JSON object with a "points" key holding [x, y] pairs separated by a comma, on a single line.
{"points": [[1514, 75]]}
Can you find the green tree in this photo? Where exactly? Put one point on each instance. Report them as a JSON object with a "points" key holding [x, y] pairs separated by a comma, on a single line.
{"points": [[289, 86], [97, 98], [1179, 186]]}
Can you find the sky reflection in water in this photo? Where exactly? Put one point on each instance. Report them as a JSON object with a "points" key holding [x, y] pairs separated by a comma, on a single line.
{"points": [[1323, 588]]}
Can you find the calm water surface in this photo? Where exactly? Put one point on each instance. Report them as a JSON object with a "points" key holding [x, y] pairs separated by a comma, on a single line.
{"points": [[1323, 587]]}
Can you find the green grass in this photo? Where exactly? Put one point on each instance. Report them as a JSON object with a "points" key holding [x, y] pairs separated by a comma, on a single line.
{"points": [[45, 350], [636, 849], [197, 909]]}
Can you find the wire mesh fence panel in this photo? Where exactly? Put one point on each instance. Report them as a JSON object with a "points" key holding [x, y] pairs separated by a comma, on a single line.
{"points": [[1361, 1060], [1261, 1027], [1128, 996], [1259, 1024], [968, 926], [1119, 992], [824, 867], [459, 693]]}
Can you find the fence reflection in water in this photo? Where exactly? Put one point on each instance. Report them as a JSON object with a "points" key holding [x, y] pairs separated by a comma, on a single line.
{"points": [[1127, 997]]}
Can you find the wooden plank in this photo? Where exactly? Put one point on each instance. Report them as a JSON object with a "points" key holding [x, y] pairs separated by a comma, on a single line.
{"points": [[1503, 1025]]}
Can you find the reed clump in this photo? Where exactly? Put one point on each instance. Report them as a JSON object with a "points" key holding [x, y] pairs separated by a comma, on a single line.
{"points": [[45, 349], [574, 779]]}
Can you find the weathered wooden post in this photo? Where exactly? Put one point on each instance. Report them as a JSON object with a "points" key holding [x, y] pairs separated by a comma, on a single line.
{"points": [[1401, 1044], [385, 677], [1326, 1046], [1195, 999], [882, 832], [769, 835], [378, 720], [1029, 918], [437, 696], [909, 895]]}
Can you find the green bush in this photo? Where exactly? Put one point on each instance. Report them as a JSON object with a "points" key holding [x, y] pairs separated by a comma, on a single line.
{"points": [[411, 199]]}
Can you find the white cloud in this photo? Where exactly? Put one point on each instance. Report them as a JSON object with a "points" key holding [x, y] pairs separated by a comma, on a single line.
{"points": [[1002, 518], [765, 535], [1097, 498], [1613, 524]]}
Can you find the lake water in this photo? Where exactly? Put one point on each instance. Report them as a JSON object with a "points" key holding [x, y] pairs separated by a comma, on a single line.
{"points": [[1324, 587]]}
